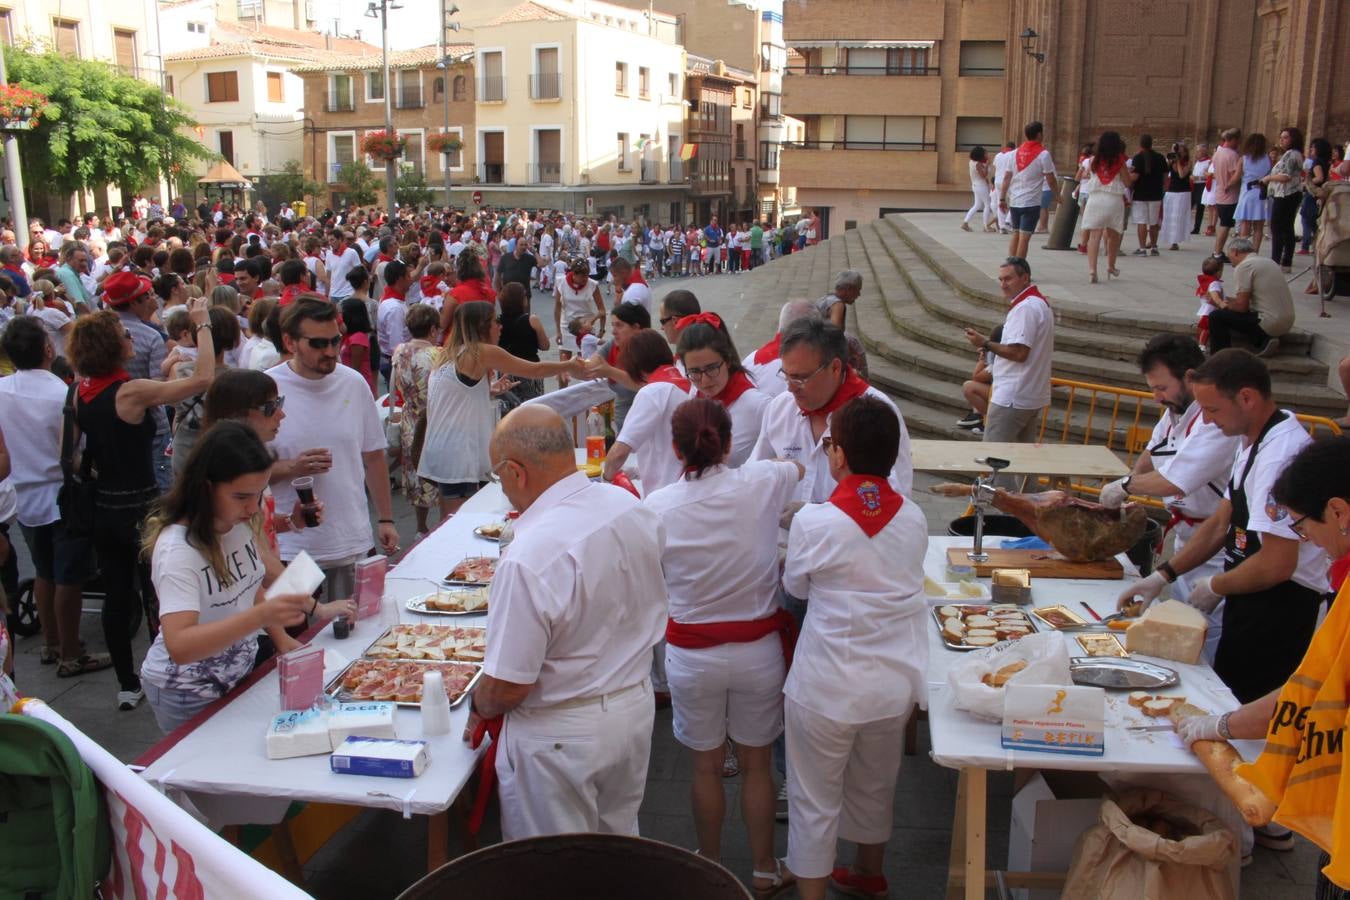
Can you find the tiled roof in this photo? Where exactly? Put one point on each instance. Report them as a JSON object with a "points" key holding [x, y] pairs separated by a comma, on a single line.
{"points": [[231, 39], [701, 65], [529, 12], [371, 58]]}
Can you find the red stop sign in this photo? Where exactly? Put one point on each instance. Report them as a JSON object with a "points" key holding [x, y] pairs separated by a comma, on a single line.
{"points": [[478, 198]]}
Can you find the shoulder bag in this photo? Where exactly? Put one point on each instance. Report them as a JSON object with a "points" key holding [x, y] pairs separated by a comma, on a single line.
{"points": [[76, 498]]}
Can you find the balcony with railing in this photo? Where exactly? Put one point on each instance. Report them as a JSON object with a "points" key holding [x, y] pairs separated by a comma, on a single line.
{"points": [[649, 171], [740, 149], [677, 172], [827, 88], [546, 86], [492, 89], [492, 173], [881, 165], [546, 173], [338, 102], [410, 99]]}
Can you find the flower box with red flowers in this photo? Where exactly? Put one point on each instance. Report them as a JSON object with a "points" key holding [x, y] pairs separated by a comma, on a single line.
{"points": [[444, 143], [383, 145], [20, 108]]}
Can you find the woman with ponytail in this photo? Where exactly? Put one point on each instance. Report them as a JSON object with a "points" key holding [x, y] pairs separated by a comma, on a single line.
{"points": [[649, 365], [714, 369], [729, 643]]}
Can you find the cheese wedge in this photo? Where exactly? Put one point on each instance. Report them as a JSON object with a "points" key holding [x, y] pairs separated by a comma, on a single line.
{"points": [[1169, 630]]}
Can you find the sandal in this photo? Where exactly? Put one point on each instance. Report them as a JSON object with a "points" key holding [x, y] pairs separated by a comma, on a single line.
{"points": [[49, 655], [781, 881], [88, 662], [731, 767]]}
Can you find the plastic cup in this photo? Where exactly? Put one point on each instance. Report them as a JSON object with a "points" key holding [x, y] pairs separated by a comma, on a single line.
{"points": [[304, 489]]}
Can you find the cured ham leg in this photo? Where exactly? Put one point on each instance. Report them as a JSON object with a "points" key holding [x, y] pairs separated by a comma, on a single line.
{"points": [[1079, 530]]}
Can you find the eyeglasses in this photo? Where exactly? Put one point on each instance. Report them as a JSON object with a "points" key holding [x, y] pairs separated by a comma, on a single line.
{"points": [[667, 319], [1296, 526], [322, 343], [270, 408], [705, 371], [493, 475], [799, 381]]}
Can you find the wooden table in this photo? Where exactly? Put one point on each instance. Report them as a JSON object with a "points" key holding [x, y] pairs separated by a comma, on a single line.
{"points": [[1054, 460]]}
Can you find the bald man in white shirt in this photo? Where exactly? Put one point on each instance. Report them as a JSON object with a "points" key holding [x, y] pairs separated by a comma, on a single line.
{"points": [[578, 604]]}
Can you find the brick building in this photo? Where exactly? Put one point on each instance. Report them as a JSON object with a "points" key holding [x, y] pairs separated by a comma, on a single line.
{"points": [[721, 123], [345, 100]]}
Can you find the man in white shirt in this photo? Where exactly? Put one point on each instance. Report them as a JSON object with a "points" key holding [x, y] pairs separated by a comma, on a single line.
{"points": [[814, 365], [1273, 580], [765, 363], [332, 434], [391, 327], [31, 421], [1020, 187], [1187, 461], [577, 606], [340, 260], [1021, 360], [632, 287]]}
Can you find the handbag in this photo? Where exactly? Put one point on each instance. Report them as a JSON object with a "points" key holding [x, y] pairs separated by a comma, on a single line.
{"points": [[76, 498]]}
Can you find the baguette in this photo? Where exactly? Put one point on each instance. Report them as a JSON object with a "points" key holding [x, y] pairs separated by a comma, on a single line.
{"points": [[1222, 762], [1139, 698]]}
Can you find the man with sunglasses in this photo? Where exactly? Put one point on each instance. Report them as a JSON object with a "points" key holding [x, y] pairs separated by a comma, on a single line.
{"points": [[329, 407], [814, 365]]}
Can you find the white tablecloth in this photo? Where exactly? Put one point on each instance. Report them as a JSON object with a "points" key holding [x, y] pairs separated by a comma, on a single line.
{"points": [[225, 758]]}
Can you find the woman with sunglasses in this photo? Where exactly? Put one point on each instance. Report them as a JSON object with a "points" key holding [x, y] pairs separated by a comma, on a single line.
{"points": [[112, 415], [1299, 770], [461, 411], [648, 362], [209, 574], [714, 369]]}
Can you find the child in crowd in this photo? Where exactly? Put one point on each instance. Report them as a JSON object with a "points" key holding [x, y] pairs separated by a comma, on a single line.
{"points": [[583, 329], [178, 325], [1210, 292]]}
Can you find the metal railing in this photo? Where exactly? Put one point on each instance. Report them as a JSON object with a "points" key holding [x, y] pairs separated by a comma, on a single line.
{"points": [[546, 173], [861, 70], [981, 71], [859, 145], [492, 173], [410, 100], [339, 102], [546, 86], [676, 174], [491, 88], [649, 171]]}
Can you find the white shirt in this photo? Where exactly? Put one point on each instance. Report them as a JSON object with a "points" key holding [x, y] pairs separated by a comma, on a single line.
{"points": [[338, 267], [1281, 444], [185, 581], [646, 429], [1026, 186], [578, 600], [721, 554], [1002, 163], [865, 614], [786, 434], [53, 320], [1194, 456], [747, 419], [638, 293], [391, 325], [338, 414], [31, 403], [1025, 385], [765, 376]]}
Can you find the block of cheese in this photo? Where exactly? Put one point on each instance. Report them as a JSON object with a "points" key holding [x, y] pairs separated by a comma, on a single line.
{"points": [[371, 719], [298, 732], [1170, 630]]}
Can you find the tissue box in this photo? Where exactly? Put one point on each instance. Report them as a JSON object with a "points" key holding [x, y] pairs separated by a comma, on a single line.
{"points": [[379, 756], [298, 733], [374, 719]]}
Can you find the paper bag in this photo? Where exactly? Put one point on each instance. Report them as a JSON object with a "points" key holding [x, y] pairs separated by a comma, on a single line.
{"points": [[1047, 663]]}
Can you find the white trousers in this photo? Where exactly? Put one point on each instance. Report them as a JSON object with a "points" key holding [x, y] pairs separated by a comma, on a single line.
{"points": [[660, 683], [1181, 589], [840, 784], [579, 768], [982, 204]]}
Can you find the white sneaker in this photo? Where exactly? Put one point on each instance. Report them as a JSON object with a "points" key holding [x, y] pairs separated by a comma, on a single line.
{"points": [[127, 700], [780, 809]]}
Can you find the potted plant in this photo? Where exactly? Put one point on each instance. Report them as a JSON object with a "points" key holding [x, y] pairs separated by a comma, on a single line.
{"points": [[383, 145], [445, 143], [20, 108]]}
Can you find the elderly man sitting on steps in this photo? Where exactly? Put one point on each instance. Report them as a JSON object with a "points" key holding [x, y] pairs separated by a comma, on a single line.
{"points": [[1262, 307]]}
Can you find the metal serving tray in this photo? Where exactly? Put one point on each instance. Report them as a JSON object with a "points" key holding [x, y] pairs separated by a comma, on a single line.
{"points": [[419, 605], [937, 623], [1121, 674], [448, 580], [366, 652], [334, 686]]}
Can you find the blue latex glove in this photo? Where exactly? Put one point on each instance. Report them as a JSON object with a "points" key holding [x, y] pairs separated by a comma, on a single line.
{"points": [[1026, 543]]}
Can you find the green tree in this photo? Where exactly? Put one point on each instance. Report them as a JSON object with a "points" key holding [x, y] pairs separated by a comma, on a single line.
{"points": [[100, 126], [291, 184], [411, 189], [359, 181]]}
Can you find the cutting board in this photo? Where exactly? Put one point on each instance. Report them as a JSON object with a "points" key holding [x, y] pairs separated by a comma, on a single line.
{"points": [[1040, 568]]}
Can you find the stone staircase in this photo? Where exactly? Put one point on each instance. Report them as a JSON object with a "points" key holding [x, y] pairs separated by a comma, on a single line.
{"points": [[918, 296]]}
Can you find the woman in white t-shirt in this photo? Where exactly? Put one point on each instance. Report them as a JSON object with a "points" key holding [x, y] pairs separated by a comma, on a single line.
{"points": [[646, 429], [209, 574], [714, 369], [979, 187], [727, 635], [576, 296]]}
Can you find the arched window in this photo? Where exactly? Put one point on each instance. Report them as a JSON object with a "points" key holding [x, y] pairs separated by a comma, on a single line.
{"points": [[438, 88], [457, 88]]}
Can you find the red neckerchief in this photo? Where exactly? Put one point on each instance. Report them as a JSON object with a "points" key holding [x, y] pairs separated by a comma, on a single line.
{"points": [[341, 251], [612, 357], [769, 351], [92, 387], [1339, 569], [1031, 291], [669, 375], [430, 285], [289, 293], [383, 257], [706, 318], [635, 278], [225, 277], [1204, 282], [390, 291], [571, 280], [16, 270], [737, 384], [1028, 153], [1106, 171], [313, 256], [852, 386], [714, 634], [473, 289], [868, 500]]}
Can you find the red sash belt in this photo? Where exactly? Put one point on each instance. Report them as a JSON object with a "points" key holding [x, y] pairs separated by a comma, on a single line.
{"points": [[487, 769], [1177, 518], [713, 634]]}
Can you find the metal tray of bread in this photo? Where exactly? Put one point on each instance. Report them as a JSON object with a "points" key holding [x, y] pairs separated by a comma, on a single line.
{"points": [[1009, 623], [400, 680], [423, 641]]}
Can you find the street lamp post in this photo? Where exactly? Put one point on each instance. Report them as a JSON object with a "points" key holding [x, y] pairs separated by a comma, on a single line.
{"points": [[380, 9], [444, 65], [13, 177]]}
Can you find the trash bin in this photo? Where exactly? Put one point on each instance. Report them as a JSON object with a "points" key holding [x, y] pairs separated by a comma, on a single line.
{"points": [[580, 867], [1066, 217], [994, 526], [1144, 553]]}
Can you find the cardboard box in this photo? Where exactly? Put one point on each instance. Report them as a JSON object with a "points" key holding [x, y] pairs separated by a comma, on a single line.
{"points": [[1048, 815], [379, 756]]}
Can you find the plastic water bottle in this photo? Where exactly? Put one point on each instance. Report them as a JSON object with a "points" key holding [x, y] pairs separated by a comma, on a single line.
{"points": [[595, 422], [435, 705]]}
